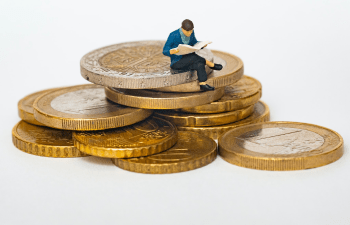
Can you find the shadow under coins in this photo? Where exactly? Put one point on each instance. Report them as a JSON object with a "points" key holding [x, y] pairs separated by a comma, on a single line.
{"points": [[98, 160]]}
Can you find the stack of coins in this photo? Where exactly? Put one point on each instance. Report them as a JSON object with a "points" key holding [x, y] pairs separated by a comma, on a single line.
{"points": [[149, 119]]}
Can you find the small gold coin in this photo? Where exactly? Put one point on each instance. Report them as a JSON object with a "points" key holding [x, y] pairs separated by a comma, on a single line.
{"points": [[245, 92], [25, 107], [231, 72], [148, 99], [148, 137], [84, 107], [281, 146], [44, 141], [210, 119], [191, 151], [261, 114]]}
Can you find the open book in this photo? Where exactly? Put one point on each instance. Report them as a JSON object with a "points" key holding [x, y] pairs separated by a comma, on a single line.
{"points": [[187, 49]]}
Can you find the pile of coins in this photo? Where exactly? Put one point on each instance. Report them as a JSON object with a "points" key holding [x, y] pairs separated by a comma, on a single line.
{"points": [[149, 119]]}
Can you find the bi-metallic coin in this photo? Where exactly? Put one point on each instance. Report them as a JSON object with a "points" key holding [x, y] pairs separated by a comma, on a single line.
{"points": [[281, 146]]}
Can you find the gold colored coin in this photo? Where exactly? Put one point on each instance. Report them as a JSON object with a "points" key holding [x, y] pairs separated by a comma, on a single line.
{"points": [[281, 146], [148, 99], [261, 114], [210, 119], [25, 107], [134, 65], [44, 141], [245, 92], [191, 151], [231, 72], [84, 107], [148, 137]]}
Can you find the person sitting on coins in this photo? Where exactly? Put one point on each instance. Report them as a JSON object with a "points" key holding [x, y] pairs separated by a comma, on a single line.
{"points": [[192, 61]]}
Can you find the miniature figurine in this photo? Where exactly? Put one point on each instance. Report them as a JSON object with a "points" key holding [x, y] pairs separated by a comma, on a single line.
{"points": [[192, 61]]}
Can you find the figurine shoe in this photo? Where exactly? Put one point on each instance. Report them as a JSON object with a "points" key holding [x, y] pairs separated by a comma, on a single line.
{"points": [[216, 67], [207, 88]]}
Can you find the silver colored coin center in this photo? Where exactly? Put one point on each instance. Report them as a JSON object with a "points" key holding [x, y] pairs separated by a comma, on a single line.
{"points": [[280, 141], [86, 101]]}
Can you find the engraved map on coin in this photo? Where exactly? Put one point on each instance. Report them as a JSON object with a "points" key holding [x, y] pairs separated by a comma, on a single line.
{"points": [[86, 101], [281, 140], [137, 59]]}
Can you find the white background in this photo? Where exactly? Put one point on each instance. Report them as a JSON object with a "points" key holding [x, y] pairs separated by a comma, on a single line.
{"points": [[299, 50]]}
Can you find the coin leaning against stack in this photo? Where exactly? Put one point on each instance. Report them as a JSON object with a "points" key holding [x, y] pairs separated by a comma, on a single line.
{"points": [[134, 110]]}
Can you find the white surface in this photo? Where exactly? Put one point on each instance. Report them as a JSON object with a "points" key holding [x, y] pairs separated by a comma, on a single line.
{"points": [[298, 50]]}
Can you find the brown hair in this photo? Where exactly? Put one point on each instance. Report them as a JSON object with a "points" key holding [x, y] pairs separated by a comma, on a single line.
{"points": [[187, 25]]}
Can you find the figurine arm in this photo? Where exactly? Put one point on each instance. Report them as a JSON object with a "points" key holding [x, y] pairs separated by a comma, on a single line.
{"points": [[194, 39], [168, 46]]}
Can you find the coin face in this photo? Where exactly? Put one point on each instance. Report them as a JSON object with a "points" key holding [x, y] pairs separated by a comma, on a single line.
{"points": [[191, 151], [245, 92], [84, 107], [231, 72], [132, 65], [281, 146], [44, 141], [148, 137], [210, 119], [148, 99], [261, 113], [25, 107]]}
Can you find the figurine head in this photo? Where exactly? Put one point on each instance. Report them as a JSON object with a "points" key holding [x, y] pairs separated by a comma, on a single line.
{"points": [[187, 27]]}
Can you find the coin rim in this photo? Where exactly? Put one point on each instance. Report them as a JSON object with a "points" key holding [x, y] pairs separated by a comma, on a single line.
{"points": [[198, 98], [228, 105], [25, 114], [128, 152], [170, 167], [85, 124], [29, 147], [205, 120], [280, 162], [214, 132]]}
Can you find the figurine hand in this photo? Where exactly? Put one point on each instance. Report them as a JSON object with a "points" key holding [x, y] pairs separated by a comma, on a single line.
{"points": [[205, 46], [173, 51]]}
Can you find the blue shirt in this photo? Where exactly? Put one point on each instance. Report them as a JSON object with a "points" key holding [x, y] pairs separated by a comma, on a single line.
{"points": [[173, 41]]}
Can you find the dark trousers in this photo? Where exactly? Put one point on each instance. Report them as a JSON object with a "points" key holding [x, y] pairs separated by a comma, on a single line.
{"points": [[192, 62]]}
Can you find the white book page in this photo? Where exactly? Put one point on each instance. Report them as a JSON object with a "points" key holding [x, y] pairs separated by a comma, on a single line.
{"points": [[187, 49]]}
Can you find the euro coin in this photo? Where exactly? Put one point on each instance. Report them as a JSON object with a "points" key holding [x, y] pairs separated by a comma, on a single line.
{"points": [[210, 119], [44, 141], [148, 137], [134, 65], [261, 114], [231, 72], [25, 107], [245, 92], [84, 107], [148, 99], [281, 146], [191, 151]]}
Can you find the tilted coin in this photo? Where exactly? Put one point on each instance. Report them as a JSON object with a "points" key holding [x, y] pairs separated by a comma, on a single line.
{"points": [[281, 146], [261, 114], [44, 141], [211, 119], [84, 107], [148, 99], [25, 107], [148, 137], [245, 92], [191, 151], [231, 72], [133, 65]]}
